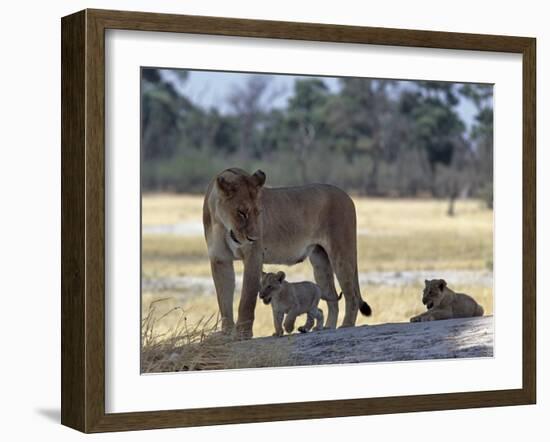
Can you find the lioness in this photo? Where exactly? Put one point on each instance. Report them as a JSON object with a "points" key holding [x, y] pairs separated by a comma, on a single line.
{"points": [[443, 303], [293, 299], [245, 221]]}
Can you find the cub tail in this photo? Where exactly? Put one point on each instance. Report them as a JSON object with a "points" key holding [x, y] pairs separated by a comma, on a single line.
{"points": [[331, 298], [364, 308]]}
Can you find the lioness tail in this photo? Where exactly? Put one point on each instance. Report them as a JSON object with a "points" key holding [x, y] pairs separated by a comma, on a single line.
{"points": [[365, 308]]}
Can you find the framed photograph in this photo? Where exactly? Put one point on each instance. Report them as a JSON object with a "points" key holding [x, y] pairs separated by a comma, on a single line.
{"points": [[270, 220]]}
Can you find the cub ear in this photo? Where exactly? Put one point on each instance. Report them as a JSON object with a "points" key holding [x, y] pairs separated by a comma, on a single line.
{"points": [[281, 276], [263, 274], [258, 178], [442, 284], [426, 282], [225, 186]]}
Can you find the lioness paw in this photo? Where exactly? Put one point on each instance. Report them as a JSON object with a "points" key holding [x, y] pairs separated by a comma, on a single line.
{"points": [[243, 332]]}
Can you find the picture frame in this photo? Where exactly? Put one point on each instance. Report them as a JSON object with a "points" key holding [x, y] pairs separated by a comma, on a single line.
{"points": [[83, 176]]}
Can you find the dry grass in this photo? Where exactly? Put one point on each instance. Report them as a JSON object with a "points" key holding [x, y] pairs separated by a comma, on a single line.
{"points": [[174, 345], [170, 208], [394, 235], [389, 304], [171, 344]]}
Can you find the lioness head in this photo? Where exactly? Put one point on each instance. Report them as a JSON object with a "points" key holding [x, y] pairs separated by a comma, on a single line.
{"points": [[272, 284], [238, 205], [433, 292]]}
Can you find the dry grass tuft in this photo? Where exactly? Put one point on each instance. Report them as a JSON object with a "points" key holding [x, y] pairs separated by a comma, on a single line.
{"points": [[200, 345], [183, 346]]}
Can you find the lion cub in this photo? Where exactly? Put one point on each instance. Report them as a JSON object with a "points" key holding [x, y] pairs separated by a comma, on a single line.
{"points": [[292, 299], [443, 303]]}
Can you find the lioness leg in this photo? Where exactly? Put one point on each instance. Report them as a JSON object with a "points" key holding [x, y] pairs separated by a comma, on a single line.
{"points": [[249, 294], [223, 274], [324, 277], [346, 274]]}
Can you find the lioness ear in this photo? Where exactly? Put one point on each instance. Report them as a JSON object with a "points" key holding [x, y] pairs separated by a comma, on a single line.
{"points": [[258, 178], [442, 284], [281, 276], [426, 282], [225, 186]]}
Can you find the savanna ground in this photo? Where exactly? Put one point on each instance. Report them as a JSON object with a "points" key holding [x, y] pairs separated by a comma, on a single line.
{"points": [[400, 243]]}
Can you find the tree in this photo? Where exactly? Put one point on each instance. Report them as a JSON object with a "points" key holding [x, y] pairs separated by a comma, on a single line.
{"points": [[305, 119], [360, 118], [372, 136], [161, 110], [437, 129], [247, 103], [481, 135]]}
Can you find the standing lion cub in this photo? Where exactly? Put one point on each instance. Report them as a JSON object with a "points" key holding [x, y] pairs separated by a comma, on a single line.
{"points": [[293, 299], [443, 303]]}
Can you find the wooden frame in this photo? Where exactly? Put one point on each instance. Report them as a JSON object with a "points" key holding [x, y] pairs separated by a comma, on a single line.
{"points": [[83, 220]]}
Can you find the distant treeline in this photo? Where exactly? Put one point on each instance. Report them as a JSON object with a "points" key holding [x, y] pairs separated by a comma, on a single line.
{"points": [[370, 137]]}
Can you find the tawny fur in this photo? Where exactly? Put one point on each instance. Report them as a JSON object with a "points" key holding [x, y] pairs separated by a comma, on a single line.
{"points": [[443, 303], [293, 300], [243, 220]]}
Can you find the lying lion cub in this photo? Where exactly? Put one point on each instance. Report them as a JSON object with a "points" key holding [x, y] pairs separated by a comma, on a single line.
{"points": [[443, 303], [292, 299]]}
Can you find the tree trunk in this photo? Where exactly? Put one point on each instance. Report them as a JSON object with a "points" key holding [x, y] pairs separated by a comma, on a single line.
{"points": [[451, 208]]}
